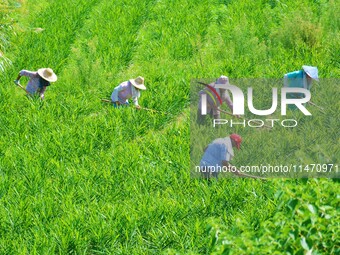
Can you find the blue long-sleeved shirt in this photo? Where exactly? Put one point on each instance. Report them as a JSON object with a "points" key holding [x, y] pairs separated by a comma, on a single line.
{"points": [[219, 150], [297, 79]]}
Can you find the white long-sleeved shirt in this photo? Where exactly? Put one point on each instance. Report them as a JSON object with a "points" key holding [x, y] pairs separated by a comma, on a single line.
{"points": [[124, 91]]}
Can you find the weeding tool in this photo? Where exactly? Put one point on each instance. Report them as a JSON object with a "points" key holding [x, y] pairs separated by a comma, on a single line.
{"points": [[20, 86], [142, 108], [238, 173], [212, 89], [311, 103]]}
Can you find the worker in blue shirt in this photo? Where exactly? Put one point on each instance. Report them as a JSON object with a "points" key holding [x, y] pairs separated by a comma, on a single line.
{"points": [[217, 156], [302, 78]]}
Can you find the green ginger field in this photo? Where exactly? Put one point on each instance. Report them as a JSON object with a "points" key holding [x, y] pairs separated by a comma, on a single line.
{"points": [[78, 176]]}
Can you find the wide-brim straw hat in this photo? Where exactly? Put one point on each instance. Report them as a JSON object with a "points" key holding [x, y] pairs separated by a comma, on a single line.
{"points": [[138, 83], [47, 74], [312, 72], [223, 80]]}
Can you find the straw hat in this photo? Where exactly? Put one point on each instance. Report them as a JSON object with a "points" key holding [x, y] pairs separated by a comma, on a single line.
{"points": [[138, 83], [47, 74], [222, 80], [312, 72]]}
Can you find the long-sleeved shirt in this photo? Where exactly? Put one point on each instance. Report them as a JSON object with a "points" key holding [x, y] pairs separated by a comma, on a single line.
{"points": [[296, 79], [33, 85], [124, 91], [218, 151]]}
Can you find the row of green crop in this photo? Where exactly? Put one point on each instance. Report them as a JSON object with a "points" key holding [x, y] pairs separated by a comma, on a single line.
{"points": [[6, 30], [81, 177], [67, 155], [273, 38]]}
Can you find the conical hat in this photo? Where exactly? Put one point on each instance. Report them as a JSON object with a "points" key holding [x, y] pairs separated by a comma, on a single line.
{"points": [[312, 72]]}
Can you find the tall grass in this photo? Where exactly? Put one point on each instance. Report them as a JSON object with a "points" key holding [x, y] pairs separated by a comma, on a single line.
{"points": [[78, 176], [6, 28]]}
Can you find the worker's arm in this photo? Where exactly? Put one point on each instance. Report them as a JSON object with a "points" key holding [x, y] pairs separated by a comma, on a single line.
{"points": [[17, 79], [24, 73], [135, 94], [135, 102], [226, 98], [42, 92]]}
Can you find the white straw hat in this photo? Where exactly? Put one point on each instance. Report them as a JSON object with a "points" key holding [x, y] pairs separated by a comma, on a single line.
{"points": [[47, 74], [138, 83], [312, 72]]}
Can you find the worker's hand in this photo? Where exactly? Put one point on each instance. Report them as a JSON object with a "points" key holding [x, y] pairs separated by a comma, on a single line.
{"points": [[16, 82], [117, 103], [138, 107]]}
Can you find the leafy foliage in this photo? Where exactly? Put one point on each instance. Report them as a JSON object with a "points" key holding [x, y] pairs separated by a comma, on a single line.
{"points": [[305, 222], [78, 176]]}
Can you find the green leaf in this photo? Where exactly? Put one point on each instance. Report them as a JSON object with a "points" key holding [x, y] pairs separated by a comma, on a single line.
{"points": [[292, 204], [306, 223], [311, 208], [304, 244]]}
